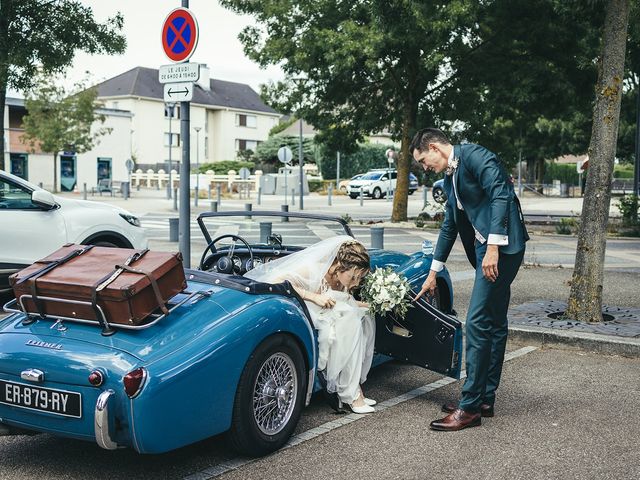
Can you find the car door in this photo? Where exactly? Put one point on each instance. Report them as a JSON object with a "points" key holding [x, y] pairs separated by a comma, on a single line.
{"points": [[425, 336], [29, 232]]}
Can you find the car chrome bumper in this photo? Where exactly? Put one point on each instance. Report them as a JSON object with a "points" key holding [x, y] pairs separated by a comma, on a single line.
{"points": [[101, 421]]}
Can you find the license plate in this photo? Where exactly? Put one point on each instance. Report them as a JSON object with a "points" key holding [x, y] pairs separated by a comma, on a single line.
{"points": [[59, 402]]}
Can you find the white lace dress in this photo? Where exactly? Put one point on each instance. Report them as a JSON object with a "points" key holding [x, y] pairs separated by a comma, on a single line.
{"points": [[346, 333], [346, 337]]}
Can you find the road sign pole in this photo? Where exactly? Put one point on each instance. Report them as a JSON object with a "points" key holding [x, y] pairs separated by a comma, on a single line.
{"points": [[185, 188], [301, 159]]}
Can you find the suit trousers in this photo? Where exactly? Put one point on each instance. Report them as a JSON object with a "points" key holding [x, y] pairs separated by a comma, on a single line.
{"points": [[487, 329]]}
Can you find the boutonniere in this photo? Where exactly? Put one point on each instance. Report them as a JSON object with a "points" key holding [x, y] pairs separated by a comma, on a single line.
{"points": [[451, 167]]}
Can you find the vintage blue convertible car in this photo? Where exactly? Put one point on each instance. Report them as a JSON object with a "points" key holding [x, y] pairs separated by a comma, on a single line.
{"points": [[232, 355]]}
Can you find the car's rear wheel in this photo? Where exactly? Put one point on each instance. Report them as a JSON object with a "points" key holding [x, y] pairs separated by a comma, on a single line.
{"points": [[269, 398], [438, 195], [377, 193]]}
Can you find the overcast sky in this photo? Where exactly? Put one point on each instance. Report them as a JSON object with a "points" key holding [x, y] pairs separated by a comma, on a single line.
{"points": [[218, 44]]}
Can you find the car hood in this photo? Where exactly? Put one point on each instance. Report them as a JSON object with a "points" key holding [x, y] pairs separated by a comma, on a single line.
{"points": [[88, 204]]}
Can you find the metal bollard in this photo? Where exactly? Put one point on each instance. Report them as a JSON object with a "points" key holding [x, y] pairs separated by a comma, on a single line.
{"points": [[84, 191], [361, 197], [138, 187], [218, 188], [330, 192], [377, 237], [259, 195], [174, 229], [248, 207], [175, 199], [195, 197], [293, 197], [40, 184], [424, 195], [265, 231], [214, 206], [209, 192], [284, 208]]}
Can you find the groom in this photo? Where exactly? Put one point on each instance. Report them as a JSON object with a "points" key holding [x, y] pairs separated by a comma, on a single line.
{"points": [[482, 208]]}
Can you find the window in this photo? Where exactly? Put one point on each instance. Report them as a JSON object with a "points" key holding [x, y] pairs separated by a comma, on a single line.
{"points": [[242, 145], [175, 139], [176, 111], [15, 197], [243, 120]]}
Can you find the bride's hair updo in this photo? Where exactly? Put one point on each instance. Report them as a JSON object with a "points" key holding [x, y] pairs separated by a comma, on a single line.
{"points": [[352, 254]]}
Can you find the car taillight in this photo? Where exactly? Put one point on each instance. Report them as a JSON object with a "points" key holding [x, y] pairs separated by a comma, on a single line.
{"points": [[96, 378], [134, 381]]}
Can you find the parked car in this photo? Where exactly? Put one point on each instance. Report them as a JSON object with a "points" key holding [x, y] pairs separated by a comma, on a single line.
{"points": [[193, 373], [35, 223], [342, 186], [437, 191], [377, 183]]}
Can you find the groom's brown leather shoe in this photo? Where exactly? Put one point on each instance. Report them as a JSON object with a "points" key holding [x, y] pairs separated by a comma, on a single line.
{"points": [[486, 410], [457, 420]]}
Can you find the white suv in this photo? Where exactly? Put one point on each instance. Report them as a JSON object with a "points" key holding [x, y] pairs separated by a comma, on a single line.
{"points": [[36, 223], [376, 183]]}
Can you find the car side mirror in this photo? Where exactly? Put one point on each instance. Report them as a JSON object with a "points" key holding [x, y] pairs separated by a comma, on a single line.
{"points": [[43, 199]]}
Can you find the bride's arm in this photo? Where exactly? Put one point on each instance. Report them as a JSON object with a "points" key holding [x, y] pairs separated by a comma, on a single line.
{"points": [[324, 301]]}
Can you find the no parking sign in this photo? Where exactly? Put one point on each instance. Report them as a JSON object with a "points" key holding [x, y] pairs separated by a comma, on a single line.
{"points": [[179, 34]]}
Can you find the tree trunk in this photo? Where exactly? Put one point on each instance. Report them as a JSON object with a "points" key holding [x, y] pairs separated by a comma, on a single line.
{"points": [[55, 173], [3, 98], [401, 194], [585, 300]]}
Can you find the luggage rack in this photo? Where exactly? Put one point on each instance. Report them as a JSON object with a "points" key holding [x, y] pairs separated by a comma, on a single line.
{"points": [[107, 328]]}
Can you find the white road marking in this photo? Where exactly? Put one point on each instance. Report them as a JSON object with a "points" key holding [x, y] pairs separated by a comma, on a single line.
{"points": [[235, 463]]}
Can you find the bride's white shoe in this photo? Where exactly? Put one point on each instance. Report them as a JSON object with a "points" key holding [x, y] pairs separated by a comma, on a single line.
{"points": [[362, 409], [370, 401]]}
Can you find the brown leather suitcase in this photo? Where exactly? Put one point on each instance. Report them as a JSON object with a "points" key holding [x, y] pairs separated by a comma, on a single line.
{"points": [[117, 285]]}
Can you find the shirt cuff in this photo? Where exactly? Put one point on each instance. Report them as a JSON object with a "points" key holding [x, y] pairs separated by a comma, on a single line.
{"points": [[495, 239], [436, 265]]}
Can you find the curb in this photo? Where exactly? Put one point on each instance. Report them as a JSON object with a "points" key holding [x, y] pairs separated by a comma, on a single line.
{"points": [[582, 341]]}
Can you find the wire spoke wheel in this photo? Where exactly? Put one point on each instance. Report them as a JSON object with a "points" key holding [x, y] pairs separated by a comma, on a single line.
{"points": [[274, 393]]}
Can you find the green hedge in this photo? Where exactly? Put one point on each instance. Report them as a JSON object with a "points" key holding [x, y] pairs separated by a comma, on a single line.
{"points": [[367, 156], [223, 166]]}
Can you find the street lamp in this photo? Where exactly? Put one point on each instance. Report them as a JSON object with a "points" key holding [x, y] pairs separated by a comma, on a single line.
{"points": [[169, 108], [197, 129]]}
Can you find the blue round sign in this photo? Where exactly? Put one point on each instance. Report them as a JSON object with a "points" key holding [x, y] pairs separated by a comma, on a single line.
{"points": [[179, 35]]}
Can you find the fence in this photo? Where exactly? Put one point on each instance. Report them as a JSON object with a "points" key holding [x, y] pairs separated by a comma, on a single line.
{"points": [[160, 179]]}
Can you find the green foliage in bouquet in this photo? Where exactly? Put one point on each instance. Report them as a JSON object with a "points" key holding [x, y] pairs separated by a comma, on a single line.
{"points": [[385, 291]]}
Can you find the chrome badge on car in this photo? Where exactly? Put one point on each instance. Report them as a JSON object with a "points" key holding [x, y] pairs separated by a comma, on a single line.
{"points": [[38, 343]]}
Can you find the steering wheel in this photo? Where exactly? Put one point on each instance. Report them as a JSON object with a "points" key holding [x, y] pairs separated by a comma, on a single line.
{"points": [[224, 263]]}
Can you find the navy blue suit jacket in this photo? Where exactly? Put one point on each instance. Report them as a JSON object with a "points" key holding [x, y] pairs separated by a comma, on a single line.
{"points": [[489, 202]]}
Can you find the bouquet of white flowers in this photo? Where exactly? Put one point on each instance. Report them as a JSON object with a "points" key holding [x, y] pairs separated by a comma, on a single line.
{"points": [[385, 291]]}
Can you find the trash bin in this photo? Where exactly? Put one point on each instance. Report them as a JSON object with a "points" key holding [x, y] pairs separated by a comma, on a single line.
{"points": [[124, 187]]}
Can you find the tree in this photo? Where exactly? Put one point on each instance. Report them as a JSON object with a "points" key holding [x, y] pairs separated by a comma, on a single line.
{"points": [[267, 151], [43, 35], [359, 67], [58, 121], [585, 299]]}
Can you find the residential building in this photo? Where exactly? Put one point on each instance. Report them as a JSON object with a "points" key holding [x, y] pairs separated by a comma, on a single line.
{"points": [[106, 159], [231, 117]]}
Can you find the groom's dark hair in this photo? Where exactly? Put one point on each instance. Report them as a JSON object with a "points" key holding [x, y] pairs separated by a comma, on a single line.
{"points": [[424, 137]]}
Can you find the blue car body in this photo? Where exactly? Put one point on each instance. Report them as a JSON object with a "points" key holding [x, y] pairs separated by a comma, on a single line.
{"points": [[193, 362]]}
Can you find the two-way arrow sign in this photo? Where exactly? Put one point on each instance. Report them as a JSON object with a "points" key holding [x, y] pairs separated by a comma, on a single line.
{"points": [[178, 92]]}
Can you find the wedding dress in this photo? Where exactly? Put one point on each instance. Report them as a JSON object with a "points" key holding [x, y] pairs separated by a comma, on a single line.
{"points": [[346, 332]]}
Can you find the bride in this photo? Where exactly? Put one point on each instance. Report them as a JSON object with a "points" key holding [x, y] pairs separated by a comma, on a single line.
{"points": [[324, 275]]}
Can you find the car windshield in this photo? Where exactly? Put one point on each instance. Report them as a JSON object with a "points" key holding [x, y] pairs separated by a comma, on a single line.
{"points": [[295, 230], [371, 176]]}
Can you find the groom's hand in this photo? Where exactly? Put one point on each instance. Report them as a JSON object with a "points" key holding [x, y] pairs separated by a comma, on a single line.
{"points": [[429, 285], [490, 263]]}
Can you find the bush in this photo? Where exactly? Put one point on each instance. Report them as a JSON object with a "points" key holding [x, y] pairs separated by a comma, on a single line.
{"points": [[367, 156], [628, 206], [623, 171], [317, 185], [565, 172], [566, 226], [223, 166]]}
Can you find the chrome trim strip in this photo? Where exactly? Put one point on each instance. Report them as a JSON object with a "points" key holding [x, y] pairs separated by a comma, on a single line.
{"points": [[101, 421], [311, 382]]}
